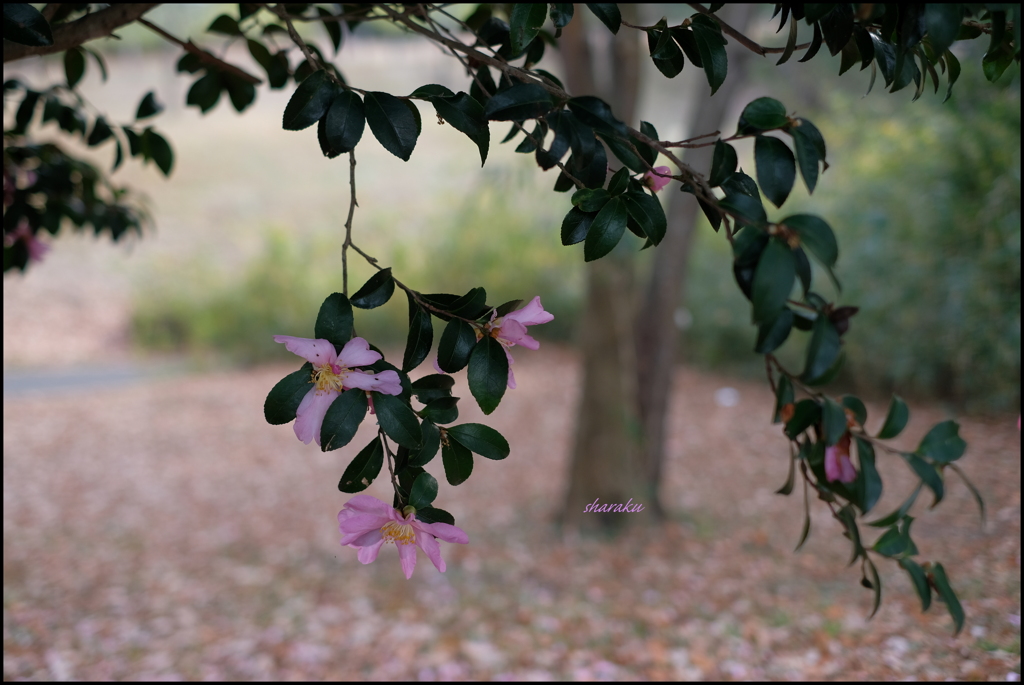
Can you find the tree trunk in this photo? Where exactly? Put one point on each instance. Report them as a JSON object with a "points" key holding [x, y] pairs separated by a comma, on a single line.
{"points": [[606, 456], [656, 332]]}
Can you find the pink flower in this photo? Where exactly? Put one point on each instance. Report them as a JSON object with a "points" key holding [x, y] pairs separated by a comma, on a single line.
{"points": [[332, 373], [510, 330], [366, 524], [657, 179], [838, 466]]}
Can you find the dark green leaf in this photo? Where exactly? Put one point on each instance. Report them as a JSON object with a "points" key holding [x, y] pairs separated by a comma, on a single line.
{"points": [[310, 101], [815, 235], [421, 336], [456, 345], [397, 420], [748, 210], [899, 513], [363, 468], [810, 151], [596, 113], [376, 291], [919, 580], [803, 269], [226, 25], [575, 225], [723, 163], [850, 56], [342, 127], [773, 281], [430, 442], [783, 396], [334, 321], [854, 404], [189, 63], [433, 386], [392, 123], [943, 23], [25, 25], [943, 443], [648, 153], [441, 410], [822, 351], [435, 515], [892, 543], [953, 67], [205, 92], [994, 64], [896, 419], [342, 419], [665, 54], [771, 334], [284, 398], [488, 373], [74, 66], [787, 487], [806, 413], [712, 52], [333, 28], [608, 13], [149, 106], [481, 439], [833, 421], [159, 150], [521, 101], [525, 21], [869, 483], [815, 45], [431, 90], [927, 473], [423, 492], [776, 168], [762, 114], [458, 462], [973, 489], [606, 230], [620, 148], [945, 591], [561, 14], [467, 116], [100, 132], [647, 211], [618, 183], [807, 521], [837, 28]]}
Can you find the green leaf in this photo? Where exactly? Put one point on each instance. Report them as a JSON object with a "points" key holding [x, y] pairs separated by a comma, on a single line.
{"points": [[896, 419], [806, 413], [773, 280], [771, 334], [776, 168], [205, 92], [74, 66], [711, 46], [433, 386], [783, 396], [431, 90], [854, 404], [561, 14], [241, 92], [341, 129], [869, 483], [575, 225], [606, 230], [458, 462], [342, 419], [148, 107], [646, 210], [807, 522], [787, 487], [488, 373], [392, 123], [833, 420], [623, 152], [945, 591], [943, 443], [809, 146], [376, 291], [310, 101], [665, 54], [994, 64], [953, 67], [226, 25], [943, 23], [100, 131], [892, 543], [284, 398], [435, 515], [596, 113], [816, 236], [423, 492], [762, 114], [525, 21], [927, 473], [456, 345], [803, 270], [363, 468], [521, 101], [430, 442], [333, 28], [397, 419], [334, 321], [25, 25], [441, 410], [466, 115], [481, 439], [919, 581], [723, 163], [876, 585], [899, 513], [608, 13], [748, 210], [618, 183], [822, 351], [159, 150]]}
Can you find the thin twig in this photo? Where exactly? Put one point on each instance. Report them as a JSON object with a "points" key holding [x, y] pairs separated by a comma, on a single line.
{"points": [[203, 55], [742, 39], [352, 204]]}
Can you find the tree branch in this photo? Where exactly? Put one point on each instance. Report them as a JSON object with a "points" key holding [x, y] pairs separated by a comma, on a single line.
{"points": [[71, 35], [740, 38], [205, 56]]}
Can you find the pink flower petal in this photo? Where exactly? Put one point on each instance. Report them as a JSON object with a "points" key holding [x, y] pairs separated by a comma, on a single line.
{"points": [[310, 415], [511, 376], [367, 555], [407, 555], [317, 351], [363, 539], [361, 523], [357, 352], [367, 504], [530, 315], [438, 368], [656, 182], [429, 545], [386, 382], [445, 531], [849, 474]]}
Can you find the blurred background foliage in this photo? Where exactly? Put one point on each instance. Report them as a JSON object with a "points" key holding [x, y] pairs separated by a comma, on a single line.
{"points": [[924, 198]]}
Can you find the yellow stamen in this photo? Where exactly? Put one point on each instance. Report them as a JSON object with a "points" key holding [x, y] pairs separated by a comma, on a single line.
{"points": [[398, 533], [325, 378]]}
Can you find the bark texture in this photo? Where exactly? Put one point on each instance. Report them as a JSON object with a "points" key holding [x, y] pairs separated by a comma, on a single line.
{"points": [[90, 27]]}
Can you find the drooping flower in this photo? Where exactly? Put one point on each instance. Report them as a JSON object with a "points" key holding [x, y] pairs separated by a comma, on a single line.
{"points": [[366, 523], [655, 180], [332, 373], [510, 330], [838, 466]]}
